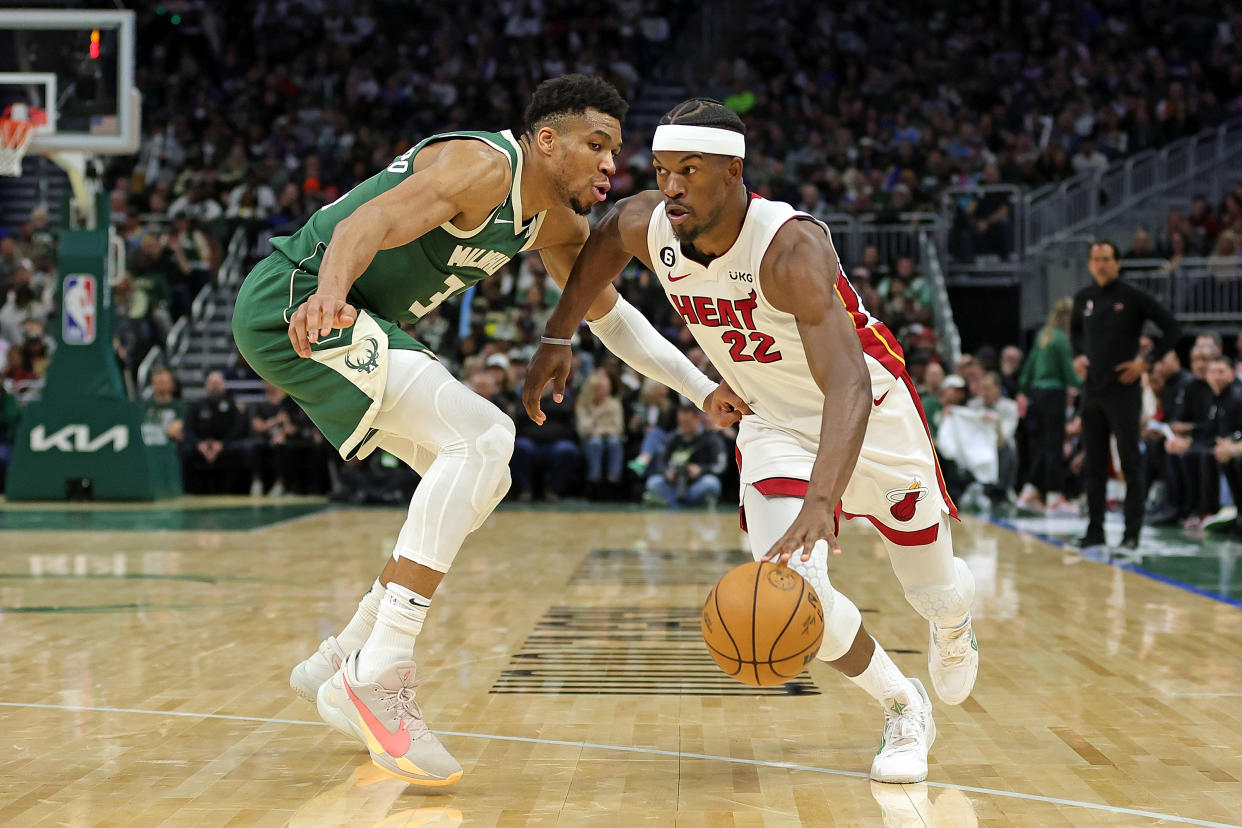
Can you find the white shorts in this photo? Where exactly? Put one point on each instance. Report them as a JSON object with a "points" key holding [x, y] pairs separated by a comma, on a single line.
{"points": [[897, 484]]}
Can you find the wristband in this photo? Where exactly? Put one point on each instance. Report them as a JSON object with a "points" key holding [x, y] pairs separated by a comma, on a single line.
{"points": [[552, 340]]}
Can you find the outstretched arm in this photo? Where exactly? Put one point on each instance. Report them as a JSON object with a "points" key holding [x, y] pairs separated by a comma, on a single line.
{"points": [[618, 237], [799, 277], [618, 324]]}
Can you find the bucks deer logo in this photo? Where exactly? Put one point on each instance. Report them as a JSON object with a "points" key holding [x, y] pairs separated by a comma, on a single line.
{"points": [[904, 500], [370, 356]]}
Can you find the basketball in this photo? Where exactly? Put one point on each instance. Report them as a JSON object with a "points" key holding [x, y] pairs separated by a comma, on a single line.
{"points": [[762, 623]]}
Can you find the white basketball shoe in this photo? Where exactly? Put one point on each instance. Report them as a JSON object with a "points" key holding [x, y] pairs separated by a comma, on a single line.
{"points": [[314, 671], [909, 732], [385, 716], [953, 652]]}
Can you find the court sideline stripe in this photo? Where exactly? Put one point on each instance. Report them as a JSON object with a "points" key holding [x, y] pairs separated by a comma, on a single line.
{"points": [[1113, 809], [1122, 565]]}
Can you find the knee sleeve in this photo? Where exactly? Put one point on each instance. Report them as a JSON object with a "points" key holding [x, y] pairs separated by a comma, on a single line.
{"points": [[498, 494], [767, 518], [460, 443], [841, 623], [938, 585], [946, 604]]}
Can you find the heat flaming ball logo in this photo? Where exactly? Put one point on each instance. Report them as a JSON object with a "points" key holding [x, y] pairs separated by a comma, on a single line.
{"points": [[904, 500]]}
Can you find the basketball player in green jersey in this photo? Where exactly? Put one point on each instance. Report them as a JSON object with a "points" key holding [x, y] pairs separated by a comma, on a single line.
{"points": [[321, 318]]}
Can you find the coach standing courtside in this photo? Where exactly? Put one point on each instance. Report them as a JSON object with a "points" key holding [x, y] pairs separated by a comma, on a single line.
{"points": [[1107, 320]]}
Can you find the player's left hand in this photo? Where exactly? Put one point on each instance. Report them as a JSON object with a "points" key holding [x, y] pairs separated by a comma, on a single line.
{"points": [[813, 523], [724, 407], [551, 363]]}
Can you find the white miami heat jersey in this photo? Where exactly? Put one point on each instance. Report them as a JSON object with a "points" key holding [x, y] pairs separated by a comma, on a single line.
{"points": [[756, 347]]}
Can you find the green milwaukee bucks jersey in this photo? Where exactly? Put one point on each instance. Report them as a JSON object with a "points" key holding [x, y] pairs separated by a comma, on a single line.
{"points": [[405, 283]]}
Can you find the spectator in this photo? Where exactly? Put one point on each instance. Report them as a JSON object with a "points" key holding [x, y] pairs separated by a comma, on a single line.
{"points": [[1088, 159], [549, 450], [212, 449], [1001, 415], [600, 427], [687, 473], [1043, 385], [504, 396], [10, 260], [1228, 448], [1141, 246], [969, 445], [21, 305], [35, 347], [193, 260], [151, 301], [1167, 381], [164, 407], [272, 451], [653, 420], [1010, 368], [1192, 468], [1203, 227], [10, 416], [16, 369], [380, 478], [929, 393]]}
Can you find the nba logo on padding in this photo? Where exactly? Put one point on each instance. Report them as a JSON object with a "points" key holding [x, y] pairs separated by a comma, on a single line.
{"points": [[79, 310]]}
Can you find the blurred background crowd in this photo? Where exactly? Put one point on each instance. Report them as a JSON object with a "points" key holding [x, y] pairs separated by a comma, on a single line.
{"points": [[258, 113]]}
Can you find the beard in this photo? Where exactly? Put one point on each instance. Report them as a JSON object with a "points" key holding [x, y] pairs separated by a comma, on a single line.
{"points": [[687, 235], [574, 200], [578, 207]]}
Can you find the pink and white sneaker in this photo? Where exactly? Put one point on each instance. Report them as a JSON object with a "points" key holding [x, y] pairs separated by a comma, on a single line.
{"points": [[385, 716]]}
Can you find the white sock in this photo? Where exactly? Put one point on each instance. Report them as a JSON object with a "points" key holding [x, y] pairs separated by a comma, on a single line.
{"points": [[882, 680], [398, 623], [359, 627]]}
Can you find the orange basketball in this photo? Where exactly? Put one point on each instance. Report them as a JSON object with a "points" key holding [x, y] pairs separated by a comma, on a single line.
{"points": [[762, 623]]}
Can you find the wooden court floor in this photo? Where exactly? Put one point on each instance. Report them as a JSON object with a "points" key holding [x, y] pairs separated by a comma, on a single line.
{"points": [[144, 681]]}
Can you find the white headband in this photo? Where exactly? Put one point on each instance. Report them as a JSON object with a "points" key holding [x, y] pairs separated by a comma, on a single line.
{"points": [[699, 139]]}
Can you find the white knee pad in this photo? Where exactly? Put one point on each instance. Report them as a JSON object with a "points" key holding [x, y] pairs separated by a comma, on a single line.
{"points": [[841, 622], [768, 518], [947, 604], [502, 489], [494, 447]]}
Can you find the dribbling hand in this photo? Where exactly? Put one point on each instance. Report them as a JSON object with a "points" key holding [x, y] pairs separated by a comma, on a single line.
{"points": [[551, 363], [318, 316], [813, 523]]}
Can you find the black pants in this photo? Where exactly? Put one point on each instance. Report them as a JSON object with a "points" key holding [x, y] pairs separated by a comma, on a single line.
{"points": [[1045, 427], [1233, 476], [1200, 475], [1114, 411]]}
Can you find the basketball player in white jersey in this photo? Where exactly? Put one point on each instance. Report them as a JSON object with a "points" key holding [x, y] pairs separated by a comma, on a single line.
{"points": [[836, 429]]}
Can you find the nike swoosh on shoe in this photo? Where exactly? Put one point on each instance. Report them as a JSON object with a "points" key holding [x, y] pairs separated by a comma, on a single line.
{"points": [[395, 744]]}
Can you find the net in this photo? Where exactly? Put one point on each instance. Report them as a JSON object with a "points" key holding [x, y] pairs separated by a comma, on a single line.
{"points": [[17, 127]]}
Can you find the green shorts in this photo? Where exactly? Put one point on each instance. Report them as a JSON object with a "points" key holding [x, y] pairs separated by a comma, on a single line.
{"points": [[342, 384]]}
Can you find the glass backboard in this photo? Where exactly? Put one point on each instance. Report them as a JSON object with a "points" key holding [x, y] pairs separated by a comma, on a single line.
{"points": [[90, 56]]}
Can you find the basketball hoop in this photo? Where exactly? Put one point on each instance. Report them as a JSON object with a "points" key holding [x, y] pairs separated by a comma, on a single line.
{"points": [[17, 126]]}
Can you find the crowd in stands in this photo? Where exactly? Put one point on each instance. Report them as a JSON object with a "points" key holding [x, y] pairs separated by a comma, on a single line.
{"points": [[883, 107], [257, 114]]}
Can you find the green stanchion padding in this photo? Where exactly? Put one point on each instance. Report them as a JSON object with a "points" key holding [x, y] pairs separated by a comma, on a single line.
{"points": [[85, 437]]}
